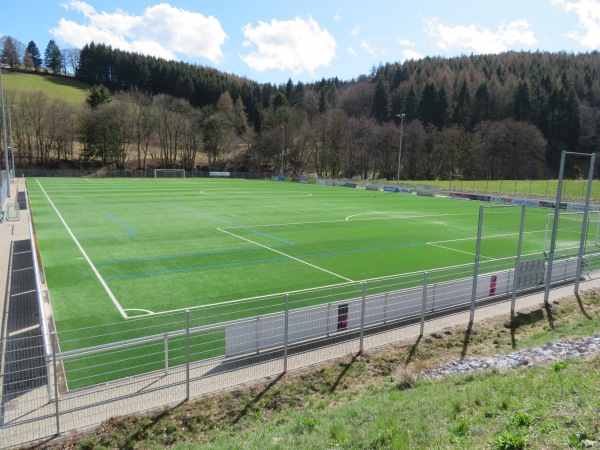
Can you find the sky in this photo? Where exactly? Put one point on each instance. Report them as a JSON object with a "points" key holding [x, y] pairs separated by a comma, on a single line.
{"points": [[307, 40]]}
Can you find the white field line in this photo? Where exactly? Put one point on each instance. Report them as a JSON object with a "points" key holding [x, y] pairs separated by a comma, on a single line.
{"points": [[418, 216], [248, 299], [455, 250], [317, 222], [85, 255], [286, 255]]}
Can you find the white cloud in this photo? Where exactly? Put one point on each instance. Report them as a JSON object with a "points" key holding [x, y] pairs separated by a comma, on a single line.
{"points": [[406, 42], [338, 15], [351, 51], [367, 47], [410, 54], [355, 31], [588, 14], [516, 34], [296, 45], [162, 30]]}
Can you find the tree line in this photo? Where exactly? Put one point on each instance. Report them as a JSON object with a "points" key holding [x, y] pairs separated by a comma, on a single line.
{"points": [[480, 116]]}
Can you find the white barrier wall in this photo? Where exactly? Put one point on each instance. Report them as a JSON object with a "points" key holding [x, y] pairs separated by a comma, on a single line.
{"points": [[264, 332]]}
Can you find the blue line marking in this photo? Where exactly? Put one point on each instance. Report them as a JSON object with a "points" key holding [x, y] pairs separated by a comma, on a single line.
{"points": [[187, 269], [182, 255], [105, 236], [230, 223], [123, 224], [241, 263]]}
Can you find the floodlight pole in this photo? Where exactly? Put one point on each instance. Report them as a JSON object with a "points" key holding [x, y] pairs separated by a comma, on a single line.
{"points": [[400, 146], [8, 179], [282, 141]]}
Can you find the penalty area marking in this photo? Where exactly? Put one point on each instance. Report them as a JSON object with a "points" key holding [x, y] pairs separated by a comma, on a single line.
{"points": [[399, 216], [455, 250], [147, 311], [85, 255], [286, 255]]}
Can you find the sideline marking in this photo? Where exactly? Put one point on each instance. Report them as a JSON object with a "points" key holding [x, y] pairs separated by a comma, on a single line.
{"points": [[456, 250], [286, 255], [85, 255]]}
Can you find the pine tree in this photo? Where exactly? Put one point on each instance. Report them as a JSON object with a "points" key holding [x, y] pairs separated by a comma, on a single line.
{"points": [[382, 101], [53, 59], [34, 53]]}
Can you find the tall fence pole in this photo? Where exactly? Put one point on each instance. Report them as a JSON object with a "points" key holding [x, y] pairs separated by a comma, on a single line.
{"points": [[187, 354], [476, 266], [554, 228], [584, 228], [55, 370], [166, 353], [517, 263], [286, 333], [424, 304], [362, 316]]}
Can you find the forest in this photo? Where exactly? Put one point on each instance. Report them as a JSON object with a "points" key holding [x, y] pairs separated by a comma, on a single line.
{"points": [[497, 116]]}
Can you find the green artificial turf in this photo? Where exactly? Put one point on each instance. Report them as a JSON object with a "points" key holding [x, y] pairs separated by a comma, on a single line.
{"points": [[226, 249]]}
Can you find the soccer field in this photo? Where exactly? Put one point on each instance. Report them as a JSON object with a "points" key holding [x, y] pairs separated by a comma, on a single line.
{"points": [[114, 249], [137, 253]]}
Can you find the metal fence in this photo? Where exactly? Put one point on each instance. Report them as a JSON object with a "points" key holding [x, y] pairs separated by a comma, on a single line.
{"points": [[51, 386]]}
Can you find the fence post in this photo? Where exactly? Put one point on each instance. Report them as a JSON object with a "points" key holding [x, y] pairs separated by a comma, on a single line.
{"points": [[517, 263], [424, 304], [476, 266], [54, 366], [187, 354], [584, 228], [166, 353], [285, 333], [362, 315], [554, 228]]}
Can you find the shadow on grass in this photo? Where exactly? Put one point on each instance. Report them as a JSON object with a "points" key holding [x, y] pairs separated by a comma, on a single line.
{"points": [[257, 398], [581, 307], [521, 319], [466, 340], [413, 350], [340, 377]]}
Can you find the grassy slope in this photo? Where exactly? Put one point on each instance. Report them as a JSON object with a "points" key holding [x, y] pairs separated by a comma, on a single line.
{"points": [[376, 400], [64, 88]]}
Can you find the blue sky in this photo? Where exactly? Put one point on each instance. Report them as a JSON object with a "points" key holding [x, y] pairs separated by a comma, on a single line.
{"points": [[273, 41]]}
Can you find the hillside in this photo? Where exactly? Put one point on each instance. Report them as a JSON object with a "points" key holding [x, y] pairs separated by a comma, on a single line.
{"points": [[485, 117], [67, 89]]}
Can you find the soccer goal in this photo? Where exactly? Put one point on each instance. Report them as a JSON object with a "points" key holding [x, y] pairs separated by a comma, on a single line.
{"points": [[569, 229], [169, 173]]}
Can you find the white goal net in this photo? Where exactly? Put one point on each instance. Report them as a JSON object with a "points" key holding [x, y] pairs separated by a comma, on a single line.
{"points": [[569, 229], [169, 173]]}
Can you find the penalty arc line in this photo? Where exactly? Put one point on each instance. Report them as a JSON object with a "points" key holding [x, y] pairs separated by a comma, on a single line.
{"points": [[85, 255], [286, 255]]}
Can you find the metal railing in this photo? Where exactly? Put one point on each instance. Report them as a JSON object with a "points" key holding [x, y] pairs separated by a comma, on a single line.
{"points": [[47, 391]]}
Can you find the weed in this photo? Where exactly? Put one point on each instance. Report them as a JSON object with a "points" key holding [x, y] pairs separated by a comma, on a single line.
{"points": [[557, 368], [522, 420], [582, 440], [461, 429], [509, 441]]}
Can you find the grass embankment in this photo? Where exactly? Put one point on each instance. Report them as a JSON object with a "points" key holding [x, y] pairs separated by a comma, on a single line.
{"points": [[378, 400], [64, 88]]}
